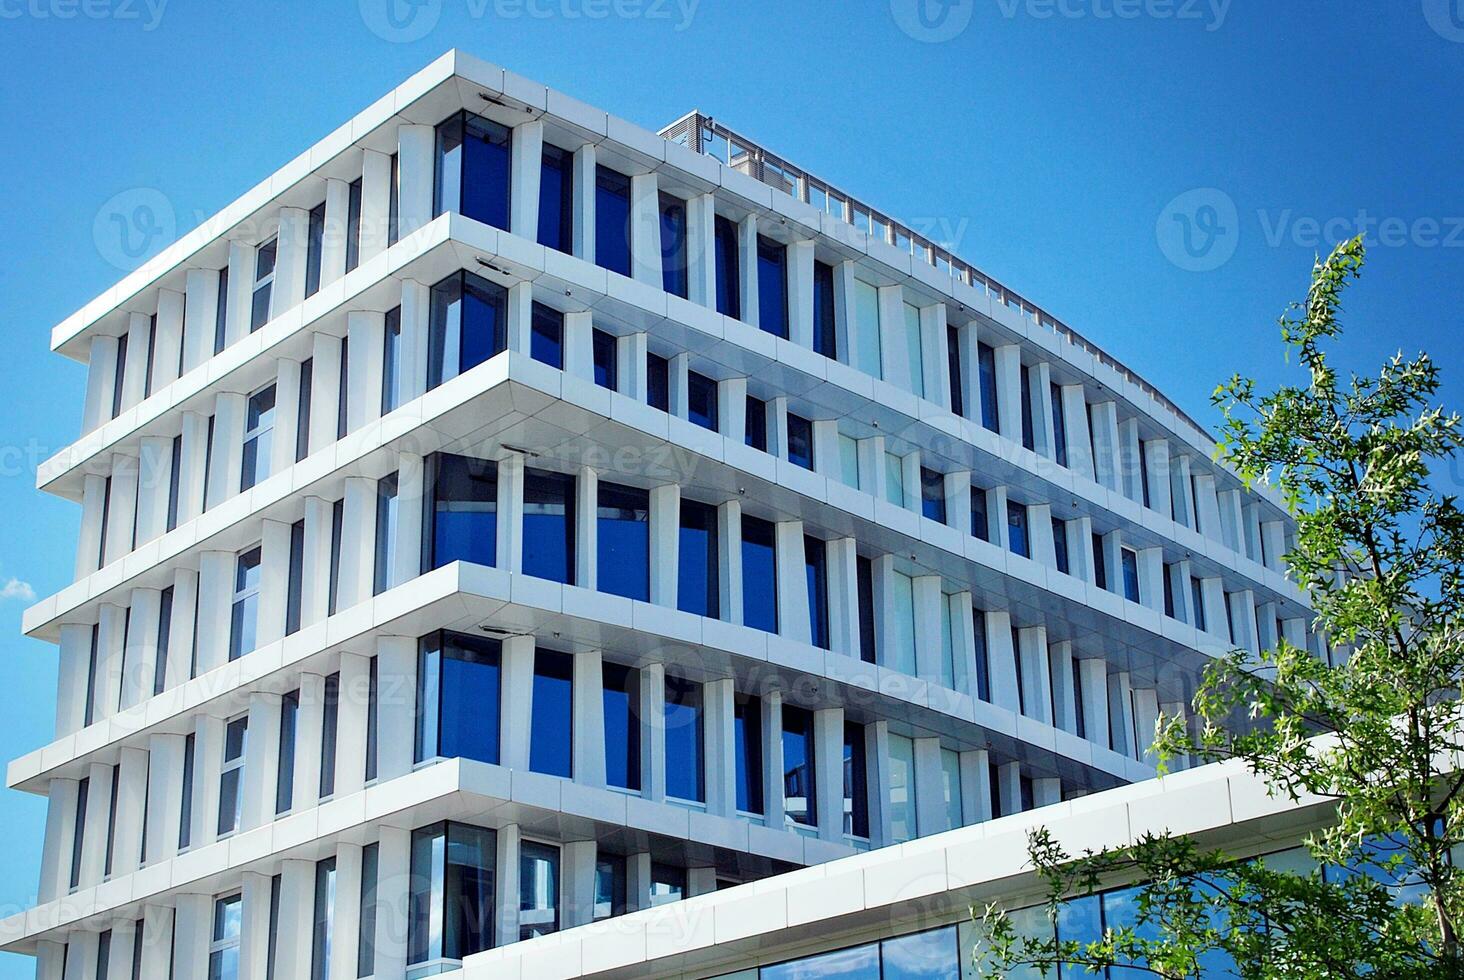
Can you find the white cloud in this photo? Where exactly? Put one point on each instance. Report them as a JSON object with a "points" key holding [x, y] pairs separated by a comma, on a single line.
{"points": [[16, 589]]}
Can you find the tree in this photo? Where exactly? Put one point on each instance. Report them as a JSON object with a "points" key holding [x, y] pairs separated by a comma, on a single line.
{"points": [[1374, 728]]}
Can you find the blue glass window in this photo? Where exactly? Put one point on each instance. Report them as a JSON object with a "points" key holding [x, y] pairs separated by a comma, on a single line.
{"points": [[1130, 574], [757, 424], [1029, 434], [855, 963], [698, 587], [856, 791], [450, 906], [612, 220], [1059, 433], [658, 382], [1100, 565], [1017, 529], [800, 802], [684, 779], [314, 245], [932, 495], [825, 331], [546, 336], [759, 575], [264, 270], [474, 163], [953, 363], [864, 572], [624, 541], [388, 515], [800, 441], [772, 287], [551, 735], [391, 361], [556, 199], [457, 697], [1059, 545], [321, 936], [610, 886], [353, 224], [987, 359], [980, 529], [673, 245], [701, 400], [549, 526], [607, 366], [930, 955], [729, 267], [815, 560], [983, 658], [464, 511], [747, 736], [467, 325], [620, 700]]}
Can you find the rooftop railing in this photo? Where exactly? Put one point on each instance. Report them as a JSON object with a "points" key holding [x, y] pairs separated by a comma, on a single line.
{"points": [[703, 134]]}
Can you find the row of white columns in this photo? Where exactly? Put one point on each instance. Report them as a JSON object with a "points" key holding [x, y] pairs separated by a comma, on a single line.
{"points": [[181, 334]]}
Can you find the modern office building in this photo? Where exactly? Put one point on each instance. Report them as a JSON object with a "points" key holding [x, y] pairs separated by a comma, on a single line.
{"points": [[505, 527]]}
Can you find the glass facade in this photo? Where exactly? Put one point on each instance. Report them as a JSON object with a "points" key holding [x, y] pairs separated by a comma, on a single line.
{"points": [[474, 164], [902, 789], [450, 911], [467, 324], [772, 287], [620, 704], [538, 889], [464, 510], [698, 587], [612, 220], [244, 609], [701, 401], [856, 782], [729, 266], [623, 561], [747, 734], [231, 776], [549, 525], [556, 199], [815, 562], [551, 731], [685, 735], [458, 683], [759, 575], [986, 366], [800, 788], [800, 441], [546, 336], [259, 419], [866, 329], [674, 271], [825, 330]]}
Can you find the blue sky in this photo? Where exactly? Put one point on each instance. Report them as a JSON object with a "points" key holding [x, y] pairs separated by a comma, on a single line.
{"points": [[1158, 173]]}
